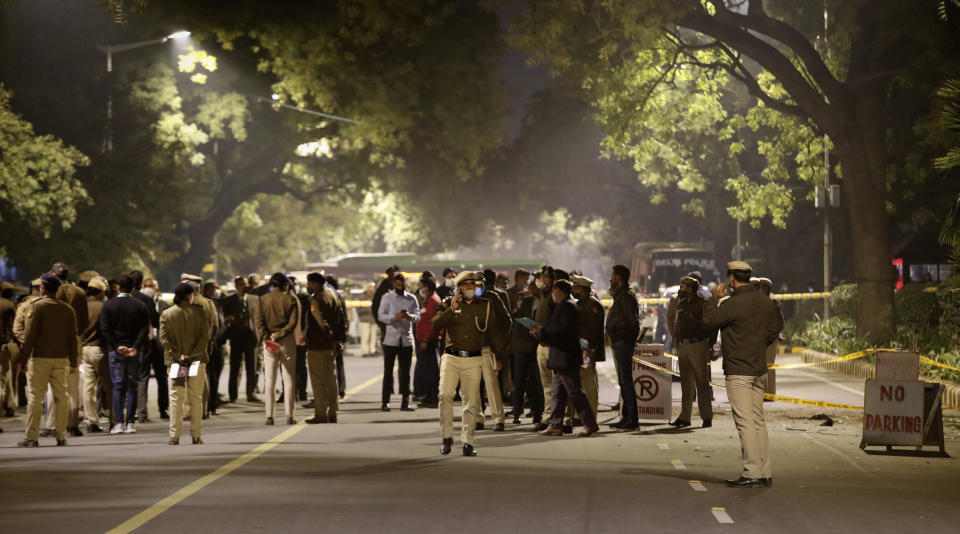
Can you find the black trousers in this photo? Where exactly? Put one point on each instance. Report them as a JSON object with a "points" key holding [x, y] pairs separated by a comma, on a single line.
{"points": [[623, 358], [242, 349], [524, 371], [301, 378], [404, 355], [566, 386], [429, 368], [341, 374], [214, 369], [152, 359]]}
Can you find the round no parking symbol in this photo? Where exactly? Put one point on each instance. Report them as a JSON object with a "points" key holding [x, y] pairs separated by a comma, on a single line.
{"points": [[646, 388]]}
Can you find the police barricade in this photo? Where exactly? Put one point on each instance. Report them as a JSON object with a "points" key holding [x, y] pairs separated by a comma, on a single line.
{"points": [[652, 387], [899, 408]]}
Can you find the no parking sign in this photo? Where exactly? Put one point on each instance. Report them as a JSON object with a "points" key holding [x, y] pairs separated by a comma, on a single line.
{"points": [[651, 387]]}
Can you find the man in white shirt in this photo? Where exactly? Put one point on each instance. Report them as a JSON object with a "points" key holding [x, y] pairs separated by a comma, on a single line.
{"points": [[399, 312]]}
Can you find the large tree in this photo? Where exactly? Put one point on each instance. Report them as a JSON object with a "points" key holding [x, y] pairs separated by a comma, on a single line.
{"points": [[625, 52]]}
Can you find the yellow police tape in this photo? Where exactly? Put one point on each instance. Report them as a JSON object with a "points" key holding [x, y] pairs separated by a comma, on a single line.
{"points": [[928, 361], [769, 396], [852, 356]]}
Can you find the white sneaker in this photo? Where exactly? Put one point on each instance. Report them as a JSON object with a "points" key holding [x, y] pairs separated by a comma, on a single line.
{"points": [[130, 429], [117, 429]]}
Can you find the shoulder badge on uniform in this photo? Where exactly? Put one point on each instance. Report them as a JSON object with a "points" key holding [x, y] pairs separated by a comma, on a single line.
{"points": [[29, 314], [724, 299]]}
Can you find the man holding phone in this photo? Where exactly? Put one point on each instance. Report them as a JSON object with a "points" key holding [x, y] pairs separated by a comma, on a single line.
{"points": [[466, 318], [399, 311]]}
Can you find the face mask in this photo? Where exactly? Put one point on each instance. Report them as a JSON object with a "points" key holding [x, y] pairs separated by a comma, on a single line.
{"points": [[399, 291], [540, 284], [469, 293], [423, 292]]}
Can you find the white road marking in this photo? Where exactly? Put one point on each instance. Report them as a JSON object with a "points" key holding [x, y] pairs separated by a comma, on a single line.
{"points": [[839, 453], [697, 485], [826, 380], [678, 465], [721, 514], [663, 445]]}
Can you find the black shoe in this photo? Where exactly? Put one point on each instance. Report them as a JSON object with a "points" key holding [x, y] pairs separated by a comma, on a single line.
{"points": [[616, 425], [707, 423], [576, 422], [468, 450], [540, 426], [385, 408], [537, 419], [625, 425], [9, 412], [197, 441], [479, 426], [744, 482], [75, 432], [517, 421], [164, 415], [316, 420], [680, 423], [498, 427], [61, 443], [343, 394], [567, 429], [405, 406], [28, 443], [531, 413], [445, 446]]}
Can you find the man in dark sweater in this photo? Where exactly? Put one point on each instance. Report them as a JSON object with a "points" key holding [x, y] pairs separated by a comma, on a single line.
{"points": [[124, 322], [151, 357]]}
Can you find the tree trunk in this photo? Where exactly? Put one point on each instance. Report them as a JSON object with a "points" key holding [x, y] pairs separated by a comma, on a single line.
{"points": [[861, 147]]}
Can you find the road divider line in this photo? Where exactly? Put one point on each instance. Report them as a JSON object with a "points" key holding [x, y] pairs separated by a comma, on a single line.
{"points": [[663, 445], [826, 380], [678, 465], [168, 502], [697, 485], [721, 514]]}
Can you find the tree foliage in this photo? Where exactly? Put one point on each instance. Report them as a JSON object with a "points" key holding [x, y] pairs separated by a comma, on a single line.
{"points": [[38, 182]]}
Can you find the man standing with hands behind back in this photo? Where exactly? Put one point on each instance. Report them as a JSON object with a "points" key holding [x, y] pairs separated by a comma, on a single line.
{"points": [[124, 322], [748, 321], [623, 327]]}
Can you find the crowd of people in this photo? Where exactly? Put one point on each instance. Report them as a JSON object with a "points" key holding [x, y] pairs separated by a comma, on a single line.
{"points": [[477, 339]]}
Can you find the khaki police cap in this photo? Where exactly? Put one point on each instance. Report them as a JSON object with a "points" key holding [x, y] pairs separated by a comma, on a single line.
{"points": [[211, 282], [464, 277], [191, 278], [6, 285], [764, 281], [86, 276], [581, 280], [98, 284], [739, 266]]}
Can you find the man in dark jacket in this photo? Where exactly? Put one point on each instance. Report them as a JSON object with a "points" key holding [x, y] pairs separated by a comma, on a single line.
{"points": [[151, 357], [748, 321], [623, 327], [526, 377], [386, 284], [124, 322], [562, 335], [591, 341]]}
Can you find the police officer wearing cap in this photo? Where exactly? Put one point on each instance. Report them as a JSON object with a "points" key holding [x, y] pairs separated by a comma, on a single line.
{"points": [[183, 333], [96, 373], [694, 344], [49, 353], [466, 318], [591, 340], [276, 321], [748, 323]]}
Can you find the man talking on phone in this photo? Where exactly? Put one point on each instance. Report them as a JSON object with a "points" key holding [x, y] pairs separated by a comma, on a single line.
{"points": [[466, 319]]}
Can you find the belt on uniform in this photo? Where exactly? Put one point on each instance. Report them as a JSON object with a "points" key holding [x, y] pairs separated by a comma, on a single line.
{"points": [[692, 340], [463, 353]]}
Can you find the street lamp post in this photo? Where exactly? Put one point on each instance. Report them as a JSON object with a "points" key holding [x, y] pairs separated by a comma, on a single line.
{"points": [[109, 50]]}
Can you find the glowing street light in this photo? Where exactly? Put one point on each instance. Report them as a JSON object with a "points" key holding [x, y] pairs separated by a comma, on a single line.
{"points": [[178, 35]]}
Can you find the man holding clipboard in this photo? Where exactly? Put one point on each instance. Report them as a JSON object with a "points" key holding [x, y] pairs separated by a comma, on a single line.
{"points": [[184, 337]]}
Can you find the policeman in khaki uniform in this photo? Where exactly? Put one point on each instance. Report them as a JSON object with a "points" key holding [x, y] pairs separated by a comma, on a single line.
{"points": [[324, 320], [50, 352], [184, 336], [276, 321], [96, 371], [7, 348], [748, 321], [694, 345], [494, 347], [591, 332], [765, 286], [213, 323], [466, 319]]}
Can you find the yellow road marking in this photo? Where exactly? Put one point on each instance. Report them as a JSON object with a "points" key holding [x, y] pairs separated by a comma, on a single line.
{"points": [[168, 502]]}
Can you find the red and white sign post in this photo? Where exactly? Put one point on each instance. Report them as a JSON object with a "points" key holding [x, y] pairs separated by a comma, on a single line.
{"points": [[652, 387]]}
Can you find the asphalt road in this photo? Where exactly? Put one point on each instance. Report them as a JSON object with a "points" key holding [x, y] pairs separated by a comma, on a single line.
{"points": [[382, 472]]}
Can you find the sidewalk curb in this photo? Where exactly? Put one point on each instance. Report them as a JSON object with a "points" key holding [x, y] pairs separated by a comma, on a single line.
{"points": [[863, 369]]}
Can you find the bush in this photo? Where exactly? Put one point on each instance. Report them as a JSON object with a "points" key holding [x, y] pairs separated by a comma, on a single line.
{"points": [[836, 335], [844, 300], [948, 300], [917, 313]]}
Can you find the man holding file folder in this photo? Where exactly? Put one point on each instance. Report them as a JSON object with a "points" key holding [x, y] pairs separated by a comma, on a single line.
{"points": [[184, 337]]}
